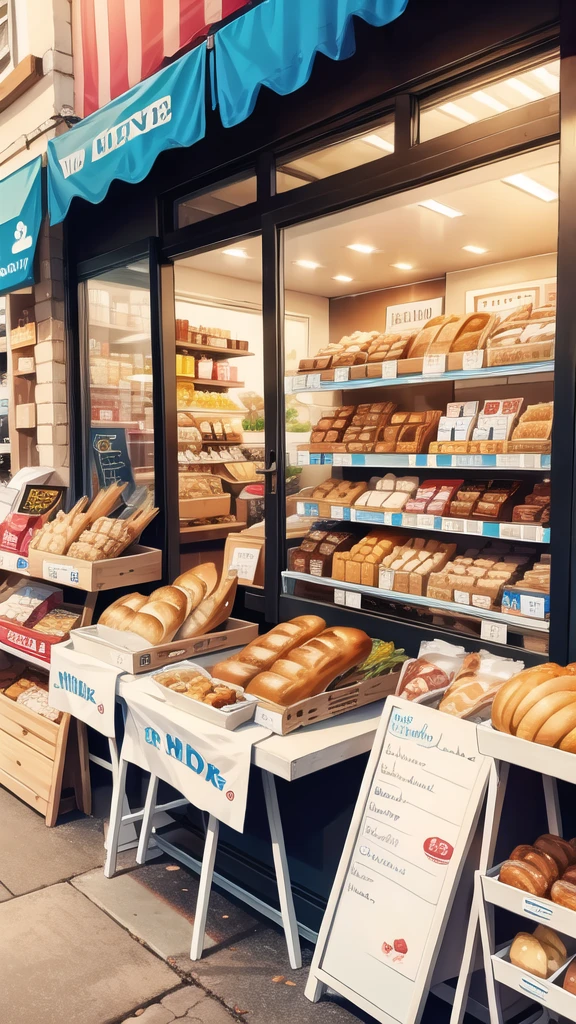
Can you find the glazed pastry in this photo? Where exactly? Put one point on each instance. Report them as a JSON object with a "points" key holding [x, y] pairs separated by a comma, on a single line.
{"points": [[558, 848], [541, 860], [564, 893], [570, 979], [522, 875]]}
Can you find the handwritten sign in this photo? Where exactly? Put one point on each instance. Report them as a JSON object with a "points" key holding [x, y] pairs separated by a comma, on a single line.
{"points": [[412, 827]]}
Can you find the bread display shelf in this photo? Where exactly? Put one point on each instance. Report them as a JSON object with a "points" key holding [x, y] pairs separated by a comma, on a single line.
{"points": [[314, 383], [137, 565], [560, 764], [205, 507], [548, 993], [212, 531], [213, 350], [26, 656], [209, 382], [518, 623], [529, 532], [536, 463], [534, 908]]}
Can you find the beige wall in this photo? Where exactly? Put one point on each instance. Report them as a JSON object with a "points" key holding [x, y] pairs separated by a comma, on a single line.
{"points": [[533, 268]]}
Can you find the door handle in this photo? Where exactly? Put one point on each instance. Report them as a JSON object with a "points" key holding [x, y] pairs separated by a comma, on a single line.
{"points": [[269, 475], [271, 469]]}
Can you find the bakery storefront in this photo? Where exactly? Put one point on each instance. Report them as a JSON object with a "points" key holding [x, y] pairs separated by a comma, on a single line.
{"points": [[334, 342]]}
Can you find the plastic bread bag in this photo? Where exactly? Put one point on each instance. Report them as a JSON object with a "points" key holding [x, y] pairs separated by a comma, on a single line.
{"points": [[433, 670], [475, 685]]}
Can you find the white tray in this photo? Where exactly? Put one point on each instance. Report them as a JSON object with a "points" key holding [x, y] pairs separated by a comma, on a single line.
{"points": [[548, 993], [560, 764], [226, 718], [537, 909]]}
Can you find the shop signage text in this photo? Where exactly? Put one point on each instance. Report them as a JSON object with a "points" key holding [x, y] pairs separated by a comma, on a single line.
{"points": [[186, 754], [141, 122]]}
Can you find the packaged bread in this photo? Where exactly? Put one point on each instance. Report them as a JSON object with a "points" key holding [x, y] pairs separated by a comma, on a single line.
{"points": [[433, 670], [476, 683], [262, 652], [307, 670]]}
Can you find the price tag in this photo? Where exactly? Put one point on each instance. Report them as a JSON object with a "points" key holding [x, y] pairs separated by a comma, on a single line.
{"points": [[481, 601], [473, 360], [337, 511], [453, 525], [341, 374], [473, 526], [58, 573], [425, 522], [303, 458], [369, 516], [409, 520], [300, 508], [461, 597], [13, 561], [269, 719], [287, 385], [533, 607], [313, 380], [495, 632], [510, 531], [339, 597], [353, 599], [342, 459], [300, 382], [434, 365], [386, 579], [389, 369], [245, 561], [467, 460]]}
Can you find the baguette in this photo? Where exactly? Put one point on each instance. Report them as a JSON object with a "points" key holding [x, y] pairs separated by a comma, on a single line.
{"points": [[309, 669], [261, 653]]}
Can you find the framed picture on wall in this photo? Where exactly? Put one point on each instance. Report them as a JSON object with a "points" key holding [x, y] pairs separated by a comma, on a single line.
{"points": [[505, 299]]}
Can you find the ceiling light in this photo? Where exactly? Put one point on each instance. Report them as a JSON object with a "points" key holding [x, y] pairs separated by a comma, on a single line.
{"points": [[343, 278], [360, 247], [476, 249], [546, 76], [402, 266], [489, 101], [522, 181], [306, 264], [523, 89], [240, 254], [456, 111], [446, 211], [379, 143]]}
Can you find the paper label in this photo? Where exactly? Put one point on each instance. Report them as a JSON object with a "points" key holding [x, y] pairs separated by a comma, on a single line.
{"points": [[353, 599], [245, 560], [539, 909], [434, 365], [495, 632], [467, 460], [453, 525], [425, 522], [341, 374], [409, 519], [342, 459], [389, 369], [339, 597], [58, 573], [369, 517], [287, 385], [533, 987], [313, 380], [269, 719], [473, 360], [473, 526], [13, 561], [337, 511], [303, 458], [481, 600], [461, 597], [386, 579], [300, 508], [300, 382], [510, 531], [533, 607]]}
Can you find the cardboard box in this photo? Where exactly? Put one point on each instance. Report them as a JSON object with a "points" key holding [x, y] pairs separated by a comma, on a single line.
{"points": [[49, 352], [48, 372], [245, 553], [56, 414], [205, 508], [137, 565], [47, 433], [132, 653], [50, 392], [25, 416]]}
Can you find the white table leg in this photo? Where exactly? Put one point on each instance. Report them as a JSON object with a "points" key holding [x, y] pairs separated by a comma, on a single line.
{"points": [[552, 805], [206, 875], [314, 989], [118, 793], [147, 819], [282, 874], [486, 914]]}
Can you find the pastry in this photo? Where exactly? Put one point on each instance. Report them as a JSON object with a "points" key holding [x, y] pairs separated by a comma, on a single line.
{"points": [[564, 893], [569, 982], [543, 861], [558, 848], [522, 875], [528, 953]]}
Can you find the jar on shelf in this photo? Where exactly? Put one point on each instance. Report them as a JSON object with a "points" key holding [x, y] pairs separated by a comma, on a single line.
{"points": [[205, 368]]}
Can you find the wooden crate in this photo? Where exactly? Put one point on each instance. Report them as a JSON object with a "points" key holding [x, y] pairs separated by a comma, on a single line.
{"points": [[138, 565]]}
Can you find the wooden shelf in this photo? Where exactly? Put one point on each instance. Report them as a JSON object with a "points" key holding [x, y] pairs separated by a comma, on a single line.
{"points": [[225, 384], [24, 373], [214, 531], [216, 353]]}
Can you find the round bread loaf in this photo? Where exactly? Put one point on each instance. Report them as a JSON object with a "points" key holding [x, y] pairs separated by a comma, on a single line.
{"points": [[522, 875], [526, 952], [557, 848], [564, 893], [542, 711], [537, 693], [541, 860], [570, 979], [512, 692]]}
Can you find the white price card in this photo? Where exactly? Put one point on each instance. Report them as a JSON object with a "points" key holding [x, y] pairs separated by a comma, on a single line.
{"points": [[481, 601], [473, 526], [337, 512], [300, 508], [495, 632], [473, 360], [342, 459], [389, 369], [453, 525], [269, 719], [313, 380], [409, 520], [386, 579], [59, 573], [533, 607], [339, 597], [341, 374], [461, 597], [353, 599], [434, 365], [300, 383], [13, 561], [303, 458], [245, 561], [425, 522], [511, 531], [287, 385]]}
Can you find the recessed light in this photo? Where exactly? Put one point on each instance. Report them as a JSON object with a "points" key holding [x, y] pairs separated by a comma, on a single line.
{"points": [[489, 101], [526, 184], [343, 278], [523, 89], [306, 264], [240, 254], [402, 266], [446, 211], [457, 111], [379, 143], [476, 249], [360, 247], [552, 81]]}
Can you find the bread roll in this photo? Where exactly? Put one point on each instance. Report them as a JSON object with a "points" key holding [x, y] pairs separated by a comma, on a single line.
{"points": [[564, 893], [261, 653], [570, 979], [557, 727], [541, 860], [158, 622], [116, 614], [541, 712], [207, 573], [172, 595], [557, 848], [570, 874], [522, 875], [547, 935], [526, 952], [554, 685], [515, 689], [568, 742], [308, 670]]}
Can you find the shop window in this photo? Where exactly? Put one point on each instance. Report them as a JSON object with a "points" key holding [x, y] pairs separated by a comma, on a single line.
{"points": [[211, 202], [6, 27], [516, 90], [120, 367], [341, 156]]}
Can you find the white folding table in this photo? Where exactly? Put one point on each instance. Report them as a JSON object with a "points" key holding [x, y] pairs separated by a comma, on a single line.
{"points": [[289, 757]]}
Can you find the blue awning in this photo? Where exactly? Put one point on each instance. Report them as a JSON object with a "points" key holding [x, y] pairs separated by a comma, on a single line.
{"points": [[20, 220], [275, 45], [123, 139]]}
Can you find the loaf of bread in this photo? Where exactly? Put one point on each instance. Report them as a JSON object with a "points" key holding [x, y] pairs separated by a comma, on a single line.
{"points": [[307, 670], [261, 653], [541, 954]]}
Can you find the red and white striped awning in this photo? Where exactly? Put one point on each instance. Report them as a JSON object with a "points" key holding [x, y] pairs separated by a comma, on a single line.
{"points": [[118, 43]]}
